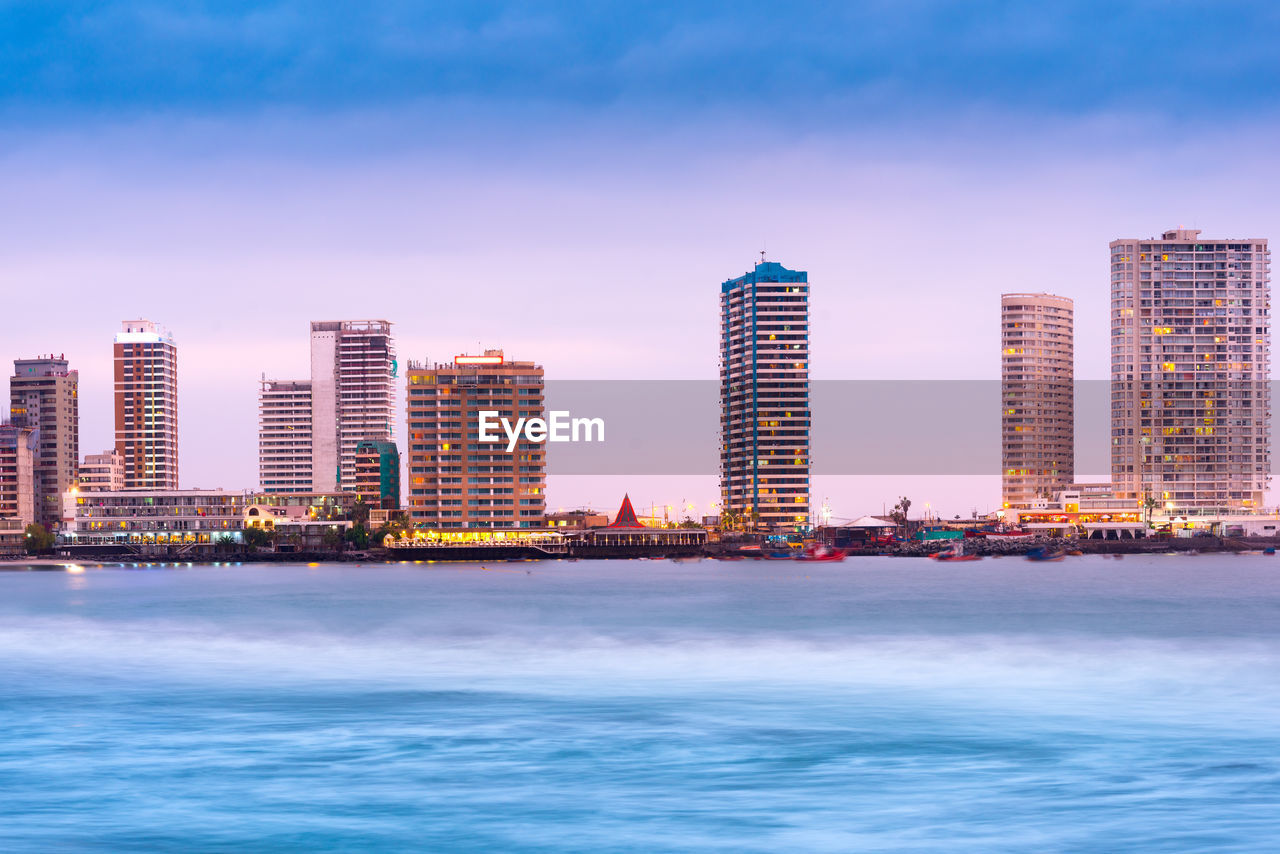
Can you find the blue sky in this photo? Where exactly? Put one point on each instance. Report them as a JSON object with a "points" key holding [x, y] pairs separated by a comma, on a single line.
{"points": [[573, 180], [822, 64]]}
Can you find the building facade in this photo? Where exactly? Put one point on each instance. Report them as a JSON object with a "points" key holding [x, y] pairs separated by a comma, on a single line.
{"points": [[146, 405], [167, 517], [1190, 372], [284, 436], [44, 394], [378, 474], [102, 472], [353, 373], [19, 451], [1037, 396], [455, 480], [764, 398]]}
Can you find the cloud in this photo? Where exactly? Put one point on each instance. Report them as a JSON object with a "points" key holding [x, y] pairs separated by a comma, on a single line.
{"points": [[810, 62]]}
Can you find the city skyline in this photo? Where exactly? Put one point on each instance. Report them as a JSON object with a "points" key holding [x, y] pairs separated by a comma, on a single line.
{"points": [[995, 141]]}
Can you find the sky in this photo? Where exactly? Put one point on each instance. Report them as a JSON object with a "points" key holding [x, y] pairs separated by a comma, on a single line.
{"points": [[572, 181]]}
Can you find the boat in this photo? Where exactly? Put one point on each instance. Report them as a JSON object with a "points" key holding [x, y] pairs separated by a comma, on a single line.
{"points": [[1044, 553], [954, 552], [777, 556], [821, 552]]}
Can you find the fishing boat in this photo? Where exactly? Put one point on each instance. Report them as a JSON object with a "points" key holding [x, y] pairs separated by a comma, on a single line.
{"points": [[954, 552], [1044, 553], [821, 552]]}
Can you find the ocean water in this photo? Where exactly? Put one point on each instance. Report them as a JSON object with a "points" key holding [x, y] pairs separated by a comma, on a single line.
{"points": [[879, 704]]}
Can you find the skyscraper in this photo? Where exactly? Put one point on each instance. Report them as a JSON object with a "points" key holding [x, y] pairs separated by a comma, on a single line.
{"points": [[284, 436], [764, 397], [455, 480], [1037, 394], [1190, 371], [353, 371], [44, 395], [146, 405]]}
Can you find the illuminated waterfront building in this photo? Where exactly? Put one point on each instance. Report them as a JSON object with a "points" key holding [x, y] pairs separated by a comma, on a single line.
{"points": [[154, 516], [1037, 397], [1190, 372], [146, 405], [764, 397], [455, 480], [44, 395], [284, 436]]}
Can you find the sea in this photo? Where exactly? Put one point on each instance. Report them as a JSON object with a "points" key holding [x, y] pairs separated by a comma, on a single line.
{"points": [[878, 704]]}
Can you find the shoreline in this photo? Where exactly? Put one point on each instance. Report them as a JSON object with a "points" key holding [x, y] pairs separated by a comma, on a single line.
{"points": [[719, 551]]}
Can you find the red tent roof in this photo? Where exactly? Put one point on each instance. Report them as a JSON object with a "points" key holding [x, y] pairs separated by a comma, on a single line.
{"points": [[626, 517]]}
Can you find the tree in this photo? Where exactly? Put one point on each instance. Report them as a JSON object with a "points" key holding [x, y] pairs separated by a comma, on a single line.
{"points": [[358, 536], [395, 528], [331, 538], [1148, 504], [257, 537], [38, 538], [900, 510], [225, 542]]}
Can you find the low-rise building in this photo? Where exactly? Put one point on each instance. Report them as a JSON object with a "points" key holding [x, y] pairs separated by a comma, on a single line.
{"points": [[12, 537], [1090, 509], [317, 506], [627, 530], [294, 528], [577, 520], [102, 472], [160, 517]]}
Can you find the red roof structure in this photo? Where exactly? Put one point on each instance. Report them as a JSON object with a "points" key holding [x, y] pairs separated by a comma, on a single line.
{"points": [[626, 517]]}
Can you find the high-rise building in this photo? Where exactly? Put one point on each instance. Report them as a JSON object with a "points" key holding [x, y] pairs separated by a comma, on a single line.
{"points": [[1037, 397], [102, 472], [44, 395], [455, 480], [353, 371], [18, 454], [284, 436], [1190, 372], [146, 405], [764, 397], [378, 474]]}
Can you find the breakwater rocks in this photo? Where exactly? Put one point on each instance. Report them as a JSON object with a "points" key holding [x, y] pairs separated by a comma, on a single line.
{"points": [[1020, 546]]}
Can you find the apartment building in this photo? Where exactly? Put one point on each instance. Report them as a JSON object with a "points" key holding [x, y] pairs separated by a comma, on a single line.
{"points": [[146, 405], [44, 394], [1037, 397], [455, 480], [1190, 372], [764, 398]]}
